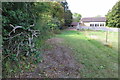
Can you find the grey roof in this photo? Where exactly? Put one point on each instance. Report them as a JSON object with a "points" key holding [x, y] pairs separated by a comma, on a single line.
{"points": [[94, 19], [74, 23]]}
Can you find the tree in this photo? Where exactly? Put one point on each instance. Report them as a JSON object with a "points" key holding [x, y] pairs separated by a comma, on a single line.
{"points": [[76, 17], [65, 5], [67, 13], [68, 17], [113, 16]]}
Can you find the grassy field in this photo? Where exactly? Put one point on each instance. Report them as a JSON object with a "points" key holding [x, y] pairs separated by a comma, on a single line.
{"points": [[112, 39], [98, 60]]}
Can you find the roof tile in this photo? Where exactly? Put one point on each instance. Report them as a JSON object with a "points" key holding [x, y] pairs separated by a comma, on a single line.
{"points": [[94, 19]]}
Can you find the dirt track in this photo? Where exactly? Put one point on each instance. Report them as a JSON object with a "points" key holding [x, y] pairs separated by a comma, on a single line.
{"points": [[57, 63]]}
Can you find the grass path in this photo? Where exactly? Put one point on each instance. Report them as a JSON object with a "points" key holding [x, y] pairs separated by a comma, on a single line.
{"points": [[97, 60]]}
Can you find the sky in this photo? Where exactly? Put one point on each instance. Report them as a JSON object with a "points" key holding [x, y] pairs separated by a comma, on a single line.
{"points": [[91, 8]]}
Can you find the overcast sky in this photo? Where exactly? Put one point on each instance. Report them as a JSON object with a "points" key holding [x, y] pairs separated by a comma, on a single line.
{"points": [[91, 8]]}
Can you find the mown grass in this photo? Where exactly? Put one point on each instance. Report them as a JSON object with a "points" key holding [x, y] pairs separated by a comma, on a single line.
{"points": [[98, 61], [112, 37]]}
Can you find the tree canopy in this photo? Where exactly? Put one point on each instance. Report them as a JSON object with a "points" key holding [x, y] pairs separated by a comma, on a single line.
{"points": [[76, 17], [68, 17], [68, 14], [113, 16]]}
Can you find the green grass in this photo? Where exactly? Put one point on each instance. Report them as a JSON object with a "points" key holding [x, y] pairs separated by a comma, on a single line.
{"points": [[98, 61], [101, 36]]}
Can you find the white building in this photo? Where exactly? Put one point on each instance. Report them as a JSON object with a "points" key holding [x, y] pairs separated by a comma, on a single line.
{"points": [[93, 21]]}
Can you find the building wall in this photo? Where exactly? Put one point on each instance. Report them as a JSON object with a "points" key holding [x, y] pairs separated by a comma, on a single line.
{"points": [[97, 24], [86, 24]]}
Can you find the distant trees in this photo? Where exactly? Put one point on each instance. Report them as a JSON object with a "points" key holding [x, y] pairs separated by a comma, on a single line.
{"points": [[113, 16], [76, 17]]}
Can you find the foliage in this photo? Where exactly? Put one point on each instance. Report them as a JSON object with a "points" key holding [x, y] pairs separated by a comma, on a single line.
{"points": [[18, 35], [68, 18], [26, 26], [76, 17], [65, 5], [68, 14], [113, 16]]}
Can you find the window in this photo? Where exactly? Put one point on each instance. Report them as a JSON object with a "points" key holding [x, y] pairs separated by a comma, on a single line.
{"points": [[91, 24], [101, 24], [96, 24]]}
